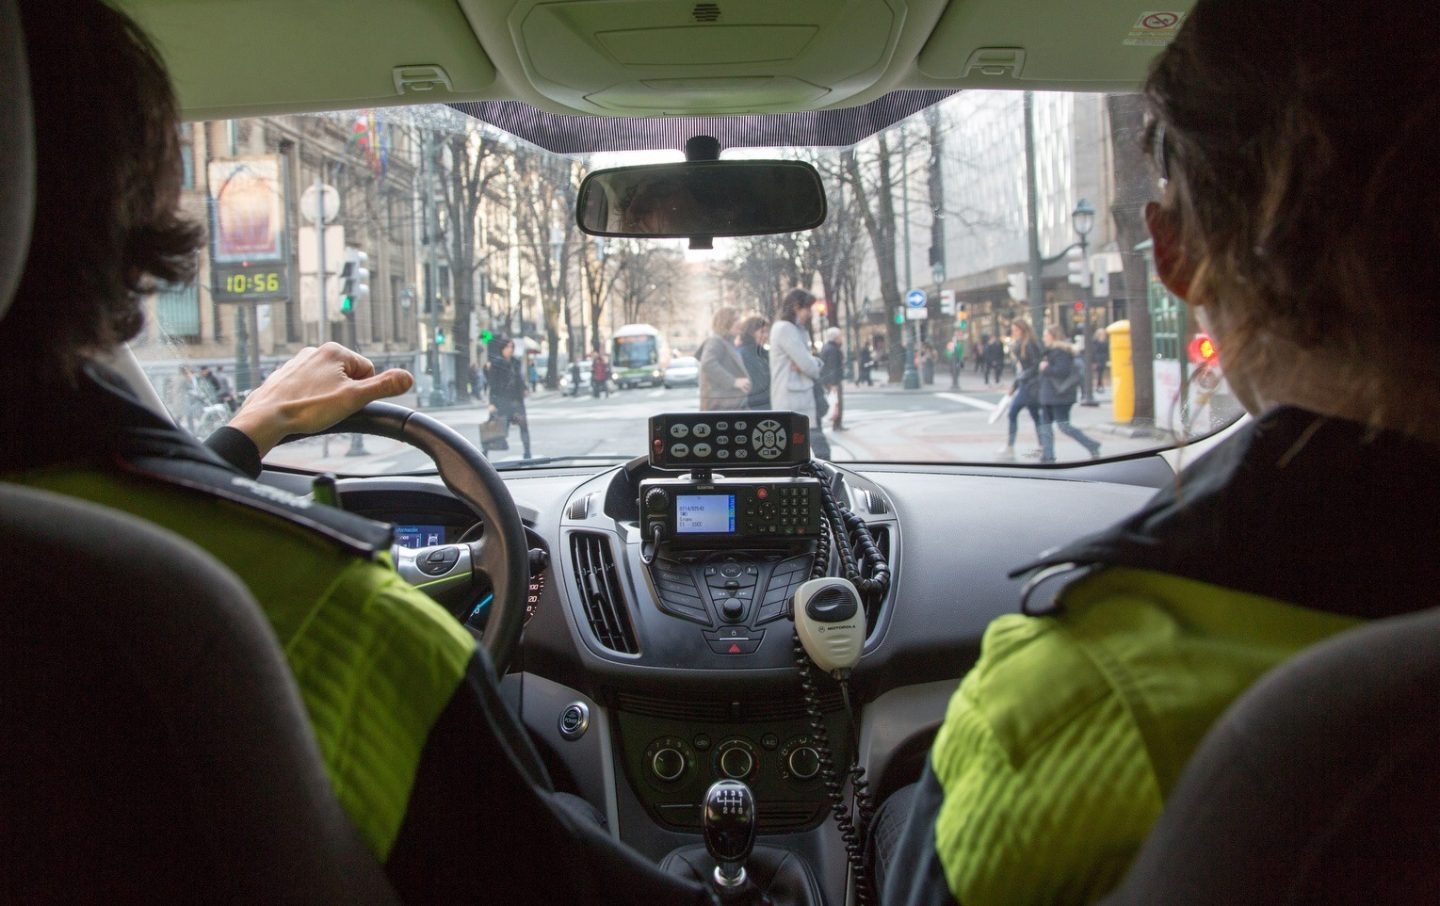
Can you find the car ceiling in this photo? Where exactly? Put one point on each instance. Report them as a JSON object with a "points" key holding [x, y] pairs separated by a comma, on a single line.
{"points": [[641, 58]]}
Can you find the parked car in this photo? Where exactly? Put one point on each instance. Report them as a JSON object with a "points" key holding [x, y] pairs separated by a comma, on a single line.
{"points": [[683, 371]]}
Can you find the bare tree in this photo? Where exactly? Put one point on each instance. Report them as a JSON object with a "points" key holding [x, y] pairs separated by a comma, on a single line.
{"points": [[545, 187], [873, 185], [1133, 188], [648, 280], [463, 162]]}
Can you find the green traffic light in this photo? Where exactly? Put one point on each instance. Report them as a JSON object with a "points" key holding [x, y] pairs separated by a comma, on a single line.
{"points": [[347, 304], [486, 336], [899, 317]]}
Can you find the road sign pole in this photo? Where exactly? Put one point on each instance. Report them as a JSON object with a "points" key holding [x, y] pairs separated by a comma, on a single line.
{"points": [[915, 301]]}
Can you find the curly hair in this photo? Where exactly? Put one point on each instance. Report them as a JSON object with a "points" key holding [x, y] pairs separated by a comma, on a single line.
{"points": [[107, 226], [1300, 143]]}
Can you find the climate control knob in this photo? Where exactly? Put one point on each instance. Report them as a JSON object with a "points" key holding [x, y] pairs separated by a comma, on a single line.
{"points": [[668, 764], [804, 762], [735, 758]]}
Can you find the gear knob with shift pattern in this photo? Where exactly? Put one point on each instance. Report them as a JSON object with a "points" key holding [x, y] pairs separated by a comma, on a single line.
{"points": [[729, 820]]}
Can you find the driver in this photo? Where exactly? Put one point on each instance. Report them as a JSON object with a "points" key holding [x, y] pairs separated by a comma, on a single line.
{"points": [[435, 772]]}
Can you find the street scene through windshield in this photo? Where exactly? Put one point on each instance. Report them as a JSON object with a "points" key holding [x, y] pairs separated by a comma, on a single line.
{"points": [[983, 288]]}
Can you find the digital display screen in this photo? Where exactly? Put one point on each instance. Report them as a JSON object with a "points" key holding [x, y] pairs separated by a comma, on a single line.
{"points": [[705, 514], [413, 536]]}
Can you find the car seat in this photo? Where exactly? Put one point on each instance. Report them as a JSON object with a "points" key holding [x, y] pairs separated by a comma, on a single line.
{"points": [[1321, 784], [153, 746]]}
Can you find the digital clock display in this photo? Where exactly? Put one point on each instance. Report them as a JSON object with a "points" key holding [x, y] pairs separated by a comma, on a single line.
{"points": [[244, 282]]}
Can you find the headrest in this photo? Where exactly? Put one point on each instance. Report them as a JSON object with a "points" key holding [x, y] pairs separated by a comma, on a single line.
{"points": [[17, 153]]}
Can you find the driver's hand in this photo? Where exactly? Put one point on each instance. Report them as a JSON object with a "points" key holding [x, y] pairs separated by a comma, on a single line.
{"points": [[313, 391]]}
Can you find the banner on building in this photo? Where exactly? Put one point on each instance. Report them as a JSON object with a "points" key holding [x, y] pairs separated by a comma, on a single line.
{"points": [[247, 209]]}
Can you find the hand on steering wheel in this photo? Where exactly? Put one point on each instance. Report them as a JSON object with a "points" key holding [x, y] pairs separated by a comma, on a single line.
{"points": [[500, 556]]}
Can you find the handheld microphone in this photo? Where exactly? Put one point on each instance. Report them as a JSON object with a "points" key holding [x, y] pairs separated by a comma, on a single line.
{"points": [[830, 621]]}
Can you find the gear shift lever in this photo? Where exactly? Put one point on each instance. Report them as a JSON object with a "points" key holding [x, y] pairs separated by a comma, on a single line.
{"points": [[728, 819]]}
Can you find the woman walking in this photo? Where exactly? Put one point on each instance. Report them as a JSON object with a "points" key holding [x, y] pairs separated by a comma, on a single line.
{"points": [[1026, 395], [507, 389], [1058, 383], [754, 334], [724, 382]]}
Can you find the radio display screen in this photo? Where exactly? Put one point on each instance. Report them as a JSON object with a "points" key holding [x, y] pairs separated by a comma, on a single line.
{"points": [[705, 514], [414, 536]]}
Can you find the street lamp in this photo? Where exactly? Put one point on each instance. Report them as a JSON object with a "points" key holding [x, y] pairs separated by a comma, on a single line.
{"points": [[937, 271], [1083, 220]]}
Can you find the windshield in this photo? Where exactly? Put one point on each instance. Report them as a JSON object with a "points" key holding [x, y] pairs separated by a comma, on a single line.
{"points": [[990, 243]]}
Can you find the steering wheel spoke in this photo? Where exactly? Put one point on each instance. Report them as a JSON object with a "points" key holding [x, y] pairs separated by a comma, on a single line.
{"points": [[499, 557]]}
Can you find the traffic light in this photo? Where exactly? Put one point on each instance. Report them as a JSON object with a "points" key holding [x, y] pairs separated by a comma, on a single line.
{"points": [[486, 336], [1019, 290], [899, 317], [1078, 266], [354, 281], [1079, 306], [439, 336], [962, 320], [821, 307], [1202, 350]]}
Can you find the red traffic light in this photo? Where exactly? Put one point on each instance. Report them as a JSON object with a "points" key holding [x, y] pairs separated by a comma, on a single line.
{"points": [[1079, 307], [1203, 350]]}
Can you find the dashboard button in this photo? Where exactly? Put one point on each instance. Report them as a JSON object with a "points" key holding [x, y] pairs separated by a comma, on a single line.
{"points": [[742, 454], [679, 450], [702, 430], [722, 454], [701, 450], [740, 426], [679, 432]]}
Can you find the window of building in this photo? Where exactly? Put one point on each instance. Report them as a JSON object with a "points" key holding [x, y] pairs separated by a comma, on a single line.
{"points": [[187, 156], [177, 312]]}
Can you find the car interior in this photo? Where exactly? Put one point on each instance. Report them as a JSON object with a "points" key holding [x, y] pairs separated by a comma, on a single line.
{"points": [[646, 617]]}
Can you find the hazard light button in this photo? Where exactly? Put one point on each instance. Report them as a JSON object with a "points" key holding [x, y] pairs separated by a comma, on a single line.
{"points": [[734, 641]]}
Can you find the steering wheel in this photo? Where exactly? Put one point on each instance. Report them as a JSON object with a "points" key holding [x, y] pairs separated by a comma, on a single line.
{"points": [[447, 572]]}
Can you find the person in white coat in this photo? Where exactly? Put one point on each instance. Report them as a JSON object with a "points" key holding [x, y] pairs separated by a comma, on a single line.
{"points": [[794, 369]]}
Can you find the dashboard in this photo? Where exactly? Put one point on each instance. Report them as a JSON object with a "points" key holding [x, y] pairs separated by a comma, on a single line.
{"points": [[645, 673]]}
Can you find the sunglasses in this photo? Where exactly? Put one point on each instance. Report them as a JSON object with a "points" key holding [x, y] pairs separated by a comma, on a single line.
{"points": [[1160, 151]]}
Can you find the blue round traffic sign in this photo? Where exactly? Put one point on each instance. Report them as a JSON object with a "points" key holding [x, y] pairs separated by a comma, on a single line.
{"points": [[915, 298]]}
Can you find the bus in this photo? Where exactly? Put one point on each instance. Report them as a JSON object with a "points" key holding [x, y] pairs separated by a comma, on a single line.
{"points": [[637, 356]]}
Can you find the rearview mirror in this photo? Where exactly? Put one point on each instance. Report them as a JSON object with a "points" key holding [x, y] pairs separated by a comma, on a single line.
{"points": [[702, 198]]}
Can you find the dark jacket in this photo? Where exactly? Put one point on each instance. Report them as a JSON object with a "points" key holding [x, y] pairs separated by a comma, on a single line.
{"points": [[757, 363], [1027, 367], [479, 788], [1060, 747], [1059, 371], [832, 364], [507, 384]]}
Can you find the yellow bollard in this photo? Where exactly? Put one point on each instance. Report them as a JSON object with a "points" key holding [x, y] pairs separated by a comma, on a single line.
{"points": [[1122, 372]]}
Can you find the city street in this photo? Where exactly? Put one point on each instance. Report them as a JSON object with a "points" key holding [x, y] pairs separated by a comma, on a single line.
{"points": [[884, 422]]}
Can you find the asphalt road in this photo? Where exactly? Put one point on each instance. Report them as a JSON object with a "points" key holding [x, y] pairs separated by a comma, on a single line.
{"points": [[884, 423]]}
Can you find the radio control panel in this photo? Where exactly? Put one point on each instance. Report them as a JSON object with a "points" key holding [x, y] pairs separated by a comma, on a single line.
{"points": [[690, 440], [677, 510]]}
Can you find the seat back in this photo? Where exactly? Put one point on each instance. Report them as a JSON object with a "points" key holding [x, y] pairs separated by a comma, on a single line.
{"points": [[1320, 785], [154, 746]]}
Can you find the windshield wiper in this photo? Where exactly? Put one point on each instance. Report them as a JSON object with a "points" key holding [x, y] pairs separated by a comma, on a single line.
{"points": [[508, 464]]}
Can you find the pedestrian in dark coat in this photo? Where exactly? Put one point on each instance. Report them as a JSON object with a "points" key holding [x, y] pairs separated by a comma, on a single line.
{"points": [[507, 389]]}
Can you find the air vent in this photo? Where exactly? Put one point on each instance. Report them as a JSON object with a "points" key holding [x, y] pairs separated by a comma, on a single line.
{"points": [[706, 12], [873, 605], [602, 593]]}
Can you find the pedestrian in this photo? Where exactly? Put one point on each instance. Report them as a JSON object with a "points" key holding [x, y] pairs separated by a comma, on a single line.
{"points": [[1100, 357], [994, 359], [532, 373], [867, 364], [754, 334], [832, 377], [793, 369], [599, 376], [1027, 352], [1058, 382], [574, 377], [507, 389], [724, 382], [474, 371], [955, 355]]}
